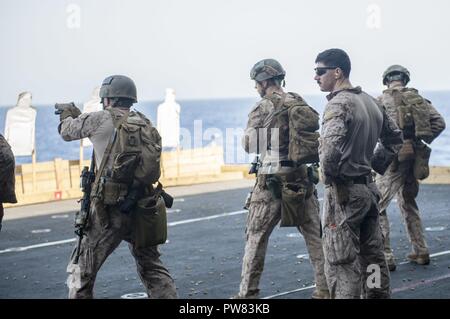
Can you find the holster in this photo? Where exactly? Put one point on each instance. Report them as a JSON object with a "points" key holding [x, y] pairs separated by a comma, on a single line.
{"points": [[274, 185], [313, 174], [382, 158]]}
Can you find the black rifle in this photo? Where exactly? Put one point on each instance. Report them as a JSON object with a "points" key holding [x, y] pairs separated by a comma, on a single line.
{"points": [[86, 179], [253, 170], [255, 166], [256, 163]]}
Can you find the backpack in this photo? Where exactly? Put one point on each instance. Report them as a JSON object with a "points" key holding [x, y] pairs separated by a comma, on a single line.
{"points": [[301, 122], [303, 135], [414, 115], [136, 149]]}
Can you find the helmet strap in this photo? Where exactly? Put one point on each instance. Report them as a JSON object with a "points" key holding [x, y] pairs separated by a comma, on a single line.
{"points": [[264, 85]]}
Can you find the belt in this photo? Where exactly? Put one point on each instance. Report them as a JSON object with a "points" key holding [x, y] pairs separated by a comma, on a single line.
{"points": [[346, 180], [363, 179], [281, 164], [287, 164]]}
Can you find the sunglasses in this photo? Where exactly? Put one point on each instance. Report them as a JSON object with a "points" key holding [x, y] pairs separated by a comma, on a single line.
{"points": [[322, 70]]}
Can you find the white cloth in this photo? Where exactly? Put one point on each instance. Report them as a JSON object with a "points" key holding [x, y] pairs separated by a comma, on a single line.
{"points": [[168, 120], [20, 126], [93, 105]]}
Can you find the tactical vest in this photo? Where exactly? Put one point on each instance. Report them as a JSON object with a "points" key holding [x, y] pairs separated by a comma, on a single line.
{"points": [[297, 123], [133, 155], [413, 114]]}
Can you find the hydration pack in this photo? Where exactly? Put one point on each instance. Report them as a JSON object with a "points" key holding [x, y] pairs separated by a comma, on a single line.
{"points": [[298, 124], [414, 115], [136, 150]]}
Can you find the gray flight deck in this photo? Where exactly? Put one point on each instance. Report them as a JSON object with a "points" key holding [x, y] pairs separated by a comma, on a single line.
{"points": [[205, 249]]}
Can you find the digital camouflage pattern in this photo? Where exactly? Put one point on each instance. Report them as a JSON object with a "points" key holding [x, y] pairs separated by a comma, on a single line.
{"points": [[106, 229], [7, 173], [107, 226], [265, 212], [97, 126], [345, 147], [266, 69], [352, 125], [399, 180], [352, 241]]}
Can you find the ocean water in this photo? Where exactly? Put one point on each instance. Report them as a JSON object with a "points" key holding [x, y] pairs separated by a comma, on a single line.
{"points": [[203, 122]]}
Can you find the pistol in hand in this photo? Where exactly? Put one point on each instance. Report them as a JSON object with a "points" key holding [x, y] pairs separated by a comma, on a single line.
{"points": [[60, 107]]}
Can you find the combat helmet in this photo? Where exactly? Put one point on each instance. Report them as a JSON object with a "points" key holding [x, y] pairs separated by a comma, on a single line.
{"points": [[118, 86], [403, 72], [267, 69]]}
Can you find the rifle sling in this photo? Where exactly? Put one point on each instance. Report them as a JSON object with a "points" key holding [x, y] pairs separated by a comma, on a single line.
{"points": [[109, 147]]}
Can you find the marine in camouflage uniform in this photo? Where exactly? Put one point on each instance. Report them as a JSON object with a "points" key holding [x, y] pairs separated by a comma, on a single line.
{"points": [[265, 210], [399, 180], [107, 225], [7, 176], [352, 124]]}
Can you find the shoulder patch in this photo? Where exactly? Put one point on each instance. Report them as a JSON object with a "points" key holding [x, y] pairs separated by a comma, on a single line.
{"points": [[335, 109]]}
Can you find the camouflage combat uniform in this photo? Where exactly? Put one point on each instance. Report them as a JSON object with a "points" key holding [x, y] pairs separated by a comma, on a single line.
{"points": [[399, 181], [265, 213], [352, 239], [107, 226], [7, 176]]}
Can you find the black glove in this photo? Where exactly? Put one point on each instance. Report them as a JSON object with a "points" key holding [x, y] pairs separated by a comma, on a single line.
{"points": [[127, 205], [382, 158], [274, 185], [67, 110]]}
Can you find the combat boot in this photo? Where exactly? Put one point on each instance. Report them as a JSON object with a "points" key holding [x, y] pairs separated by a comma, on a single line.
{"points": [[390, 260], [419, 259], [252, 295], [320, 294], [392, 266]]}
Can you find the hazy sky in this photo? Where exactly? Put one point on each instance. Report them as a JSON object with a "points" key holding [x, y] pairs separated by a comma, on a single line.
{"points": [[60, 50]]}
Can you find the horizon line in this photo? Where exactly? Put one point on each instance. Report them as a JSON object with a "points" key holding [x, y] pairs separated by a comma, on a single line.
{"points": [[218, 98]]}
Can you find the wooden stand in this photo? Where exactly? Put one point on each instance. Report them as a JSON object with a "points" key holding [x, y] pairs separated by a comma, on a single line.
{"points": [[33, 163], [81, 156]]}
